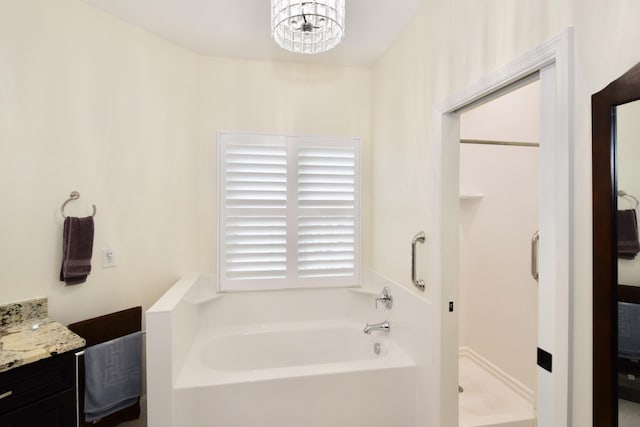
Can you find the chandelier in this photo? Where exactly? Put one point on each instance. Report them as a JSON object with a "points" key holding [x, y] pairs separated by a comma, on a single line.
{"points": [[304, 26]]}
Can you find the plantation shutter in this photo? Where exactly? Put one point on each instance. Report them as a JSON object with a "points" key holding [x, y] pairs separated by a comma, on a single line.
{"points": [[327, 209], [289, 212]]}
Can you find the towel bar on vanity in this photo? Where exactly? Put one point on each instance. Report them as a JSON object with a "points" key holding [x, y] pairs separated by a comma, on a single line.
{"points": [[78, 354], [81, 352], [74, 196]]}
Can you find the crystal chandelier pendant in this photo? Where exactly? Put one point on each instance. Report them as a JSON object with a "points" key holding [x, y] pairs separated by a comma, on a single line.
{"points": [[309, 27]]}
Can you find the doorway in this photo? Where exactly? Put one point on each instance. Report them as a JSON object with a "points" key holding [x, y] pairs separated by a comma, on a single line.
{"points": [[498, 296], [552, 61]]}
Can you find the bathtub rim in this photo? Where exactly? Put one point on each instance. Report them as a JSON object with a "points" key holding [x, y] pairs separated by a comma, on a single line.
{"points": [[203, 289]]}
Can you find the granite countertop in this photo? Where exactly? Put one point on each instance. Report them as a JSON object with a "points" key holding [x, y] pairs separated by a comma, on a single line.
{"points": [[26, 338]]}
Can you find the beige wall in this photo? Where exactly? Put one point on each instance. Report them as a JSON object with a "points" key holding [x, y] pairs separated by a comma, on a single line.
{"points": [[512, 117], [447, 48], [606, 46], [498, 305], [283, 98], [90, 103]]}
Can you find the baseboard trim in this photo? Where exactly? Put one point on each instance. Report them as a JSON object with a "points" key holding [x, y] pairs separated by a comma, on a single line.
{"points": [[507, 379]]}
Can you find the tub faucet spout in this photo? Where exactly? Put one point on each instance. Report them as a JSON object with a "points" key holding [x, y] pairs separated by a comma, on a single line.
{"points": [[383, 327]]}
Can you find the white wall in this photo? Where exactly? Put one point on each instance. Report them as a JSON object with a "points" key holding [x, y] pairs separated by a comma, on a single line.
{"points": [[449, 46], [90, 103]]}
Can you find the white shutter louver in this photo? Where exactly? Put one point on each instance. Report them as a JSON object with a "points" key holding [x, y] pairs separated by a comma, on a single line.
{"points": [[326, 188], [326, 178], [256, 177], [255, 247], [255, 181], [289, 212], [326, 246]]}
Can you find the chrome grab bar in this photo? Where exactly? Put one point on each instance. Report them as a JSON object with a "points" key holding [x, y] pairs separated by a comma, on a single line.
{"points": [[418, 238], [535, 240]]}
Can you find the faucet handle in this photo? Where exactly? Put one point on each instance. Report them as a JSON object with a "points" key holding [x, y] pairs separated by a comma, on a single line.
{"points": [[386, 298]]}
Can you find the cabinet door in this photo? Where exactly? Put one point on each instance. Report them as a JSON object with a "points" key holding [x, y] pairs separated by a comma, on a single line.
{"points": [[56, 411], [34, 381]]}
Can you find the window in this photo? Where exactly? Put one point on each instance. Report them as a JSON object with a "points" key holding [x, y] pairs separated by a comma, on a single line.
{"points": [[289, 212]]}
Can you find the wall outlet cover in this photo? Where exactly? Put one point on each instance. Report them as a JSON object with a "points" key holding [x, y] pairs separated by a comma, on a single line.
{"points": [[108, 258]]}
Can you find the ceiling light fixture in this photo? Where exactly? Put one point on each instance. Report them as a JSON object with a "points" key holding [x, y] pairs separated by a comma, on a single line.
{"points": [[304, 26]]}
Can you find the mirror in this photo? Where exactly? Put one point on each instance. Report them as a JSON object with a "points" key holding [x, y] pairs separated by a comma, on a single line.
{"points": [[616, 262], [627, 149]]}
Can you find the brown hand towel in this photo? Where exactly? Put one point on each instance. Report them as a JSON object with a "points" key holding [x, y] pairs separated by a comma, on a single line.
{"points": [[77, 247], [628, 244]]}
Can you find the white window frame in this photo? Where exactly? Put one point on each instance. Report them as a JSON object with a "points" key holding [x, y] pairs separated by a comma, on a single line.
{"points": [[293, 144]]}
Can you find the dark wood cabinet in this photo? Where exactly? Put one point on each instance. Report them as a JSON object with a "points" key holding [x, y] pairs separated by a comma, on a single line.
{"points": [[629, 379], [628, 369], [41, 393]]}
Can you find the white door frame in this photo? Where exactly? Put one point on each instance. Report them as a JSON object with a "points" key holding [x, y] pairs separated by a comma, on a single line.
{"points": [[556, 57]]}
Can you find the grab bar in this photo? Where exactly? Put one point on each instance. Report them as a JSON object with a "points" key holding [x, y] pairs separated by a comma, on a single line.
{"points": [[535, 240], [418, 238]]}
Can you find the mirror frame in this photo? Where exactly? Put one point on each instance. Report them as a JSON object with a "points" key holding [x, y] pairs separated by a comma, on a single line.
{"points": [[605, 268]]}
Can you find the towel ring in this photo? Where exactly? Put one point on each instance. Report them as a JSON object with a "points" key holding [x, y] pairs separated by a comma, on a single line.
{"points": [[624, 194], [74, 196]]}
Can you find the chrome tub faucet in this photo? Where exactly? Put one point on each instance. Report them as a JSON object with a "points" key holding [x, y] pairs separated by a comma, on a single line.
{"points": [[382, 327]]}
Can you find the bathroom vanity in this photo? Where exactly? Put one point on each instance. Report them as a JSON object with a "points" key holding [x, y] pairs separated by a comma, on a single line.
{"points": [[37, 367]]}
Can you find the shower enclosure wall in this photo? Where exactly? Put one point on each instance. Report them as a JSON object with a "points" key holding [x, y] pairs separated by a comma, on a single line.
{"points": [[498, 296]]}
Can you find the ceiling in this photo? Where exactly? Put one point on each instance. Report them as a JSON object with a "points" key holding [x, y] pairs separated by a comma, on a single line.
{"points": [[242, 28]]}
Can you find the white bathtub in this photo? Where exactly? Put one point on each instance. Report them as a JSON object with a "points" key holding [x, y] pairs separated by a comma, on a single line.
{"points": [[280, 351], [231, 361], [288, 346]]}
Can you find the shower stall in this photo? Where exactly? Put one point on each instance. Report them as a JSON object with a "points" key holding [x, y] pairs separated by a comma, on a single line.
{"points": [[498, 294]]}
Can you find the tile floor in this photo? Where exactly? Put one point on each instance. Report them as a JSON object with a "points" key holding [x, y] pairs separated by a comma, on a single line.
{"points": [[487, 401], [628, 413], [484, 402], [142, 421]]}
